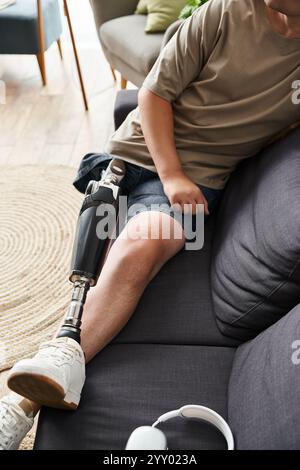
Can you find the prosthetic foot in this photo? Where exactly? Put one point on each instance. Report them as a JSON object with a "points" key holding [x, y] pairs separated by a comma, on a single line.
{"points": [[55, 375]]}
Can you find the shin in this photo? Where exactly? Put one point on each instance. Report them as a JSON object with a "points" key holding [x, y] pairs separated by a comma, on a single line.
{"points": [[88, 248]]}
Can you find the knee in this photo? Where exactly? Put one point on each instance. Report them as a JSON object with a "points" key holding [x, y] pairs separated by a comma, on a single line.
{"points": [[137, 258], [143, 247]]}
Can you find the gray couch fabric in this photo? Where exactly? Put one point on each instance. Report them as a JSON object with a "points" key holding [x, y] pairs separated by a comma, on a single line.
{"points": [[176, 308], [18, 26], [126, 46], [171, 353], [125, 102], [125, 39], [106, 10], [264, 410], [256, 259], [131, 385]]}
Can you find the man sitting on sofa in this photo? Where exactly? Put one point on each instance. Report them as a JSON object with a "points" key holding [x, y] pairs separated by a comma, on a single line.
{"points": [[219, 92]]}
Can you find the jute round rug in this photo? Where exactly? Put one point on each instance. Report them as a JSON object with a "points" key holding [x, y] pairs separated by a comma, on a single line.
{"points": [[38, 213]]}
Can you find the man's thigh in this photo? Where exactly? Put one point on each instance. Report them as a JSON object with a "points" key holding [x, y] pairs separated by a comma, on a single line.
{"points": [[148, 196]]}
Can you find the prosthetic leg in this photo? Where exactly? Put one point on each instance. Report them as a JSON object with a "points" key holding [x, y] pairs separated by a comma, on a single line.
{"points": [[88, 247]]}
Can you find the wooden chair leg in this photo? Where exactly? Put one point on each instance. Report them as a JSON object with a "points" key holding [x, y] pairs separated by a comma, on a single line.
{"points": [[113, 73], [41, 61], [41, 36], [76, 55], [123, 83], [60, 48]]}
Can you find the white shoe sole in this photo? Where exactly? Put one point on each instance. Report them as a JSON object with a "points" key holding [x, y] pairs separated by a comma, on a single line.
{"points": [[43, 390]]}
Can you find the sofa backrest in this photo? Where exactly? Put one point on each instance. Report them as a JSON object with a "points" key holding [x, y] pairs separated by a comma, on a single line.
{"points": [[105, 10], [256, 255]]}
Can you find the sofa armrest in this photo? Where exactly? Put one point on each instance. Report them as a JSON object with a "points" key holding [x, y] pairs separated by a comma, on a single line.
{"points": [[105, 10], [264, 388], [126, 101], [170, 32]]}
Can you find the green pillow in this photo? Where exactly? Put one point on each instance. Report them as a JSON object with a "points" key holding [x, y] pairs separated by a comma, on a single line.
{"points": [[142, 8], [161, 13]]}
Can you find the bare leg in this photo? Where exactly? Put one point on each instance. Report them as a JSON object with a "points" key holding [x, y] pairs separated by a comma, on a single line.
{"points": [[129, 267]]}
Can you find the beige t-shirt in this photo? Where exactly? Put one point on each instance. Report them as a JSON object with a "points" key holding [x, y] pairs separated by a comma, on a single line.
{"points": [[229, 77]]}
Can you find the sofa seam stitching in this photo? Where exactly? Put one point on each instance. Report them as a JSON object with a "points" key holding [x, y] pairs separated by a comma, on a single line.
{"points": [[277, 288]]}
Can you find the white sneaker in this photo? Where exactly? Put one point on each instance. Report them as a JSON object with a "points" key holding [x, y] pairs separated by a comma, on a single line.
{"points": [[14, 424], [53, 377]]}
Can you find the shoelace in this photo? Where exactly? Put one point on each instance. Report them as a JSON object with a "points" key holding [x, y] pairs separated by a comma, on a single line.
{"points": [[9, 422], [65, 354]]}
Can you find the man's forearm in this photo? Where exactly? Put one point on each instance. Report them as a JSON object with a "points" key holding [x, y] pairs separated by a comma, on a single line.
{"points": [[158, 129]]}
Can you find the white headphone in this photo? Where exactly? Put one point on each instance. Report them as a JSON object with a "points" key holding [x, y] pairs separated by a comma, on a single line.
{"points": [[151, 438]]}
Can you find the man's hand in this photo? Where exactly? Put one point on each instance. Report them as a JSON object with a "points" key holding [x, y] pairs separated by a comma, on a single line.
{"points": [[181, 190]]}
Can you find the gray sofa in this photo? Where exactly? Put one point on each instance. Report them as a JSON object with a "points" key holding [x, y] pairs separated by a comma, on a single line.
{"points": [[218, 327], [125, 44]]}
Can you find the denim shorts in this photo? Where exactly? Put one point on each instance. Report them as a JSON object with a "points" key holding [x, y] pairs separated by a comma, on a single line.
{"points": [[141, 186]]}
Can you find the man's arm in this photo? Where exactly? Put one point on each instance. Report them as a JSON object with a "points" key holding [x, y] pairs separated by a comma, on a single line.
{"points": [[157, 124], [178, 64]]}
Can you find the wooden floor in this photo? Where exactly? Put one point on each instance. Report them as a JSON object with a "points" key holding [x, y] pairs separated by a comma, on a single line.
{"points": [[48, 125]]}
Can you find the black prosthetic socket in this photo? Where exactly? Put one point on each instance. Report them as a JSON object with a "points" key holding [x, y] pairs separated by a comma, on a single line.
{"points": [[89, 245]]}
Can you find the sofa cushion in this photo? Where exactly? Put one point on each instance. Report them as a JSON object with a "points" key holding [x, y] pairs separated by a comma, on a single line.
{"points": [[161, 13], [125, 38], [131, 385], [176, 307], [18, 26], [256, 259], [265, 387]]}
